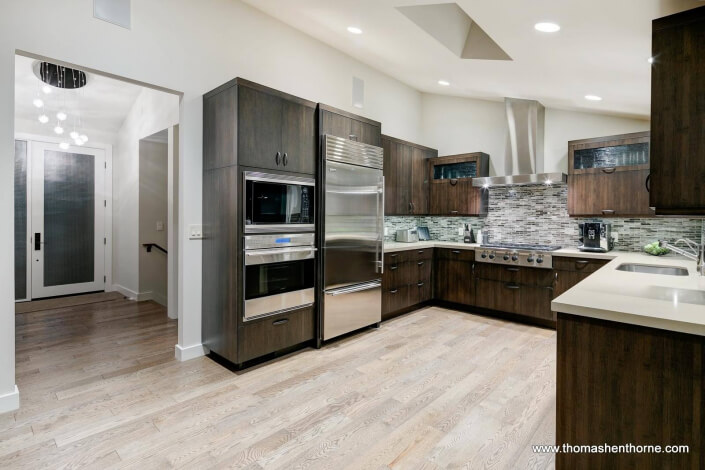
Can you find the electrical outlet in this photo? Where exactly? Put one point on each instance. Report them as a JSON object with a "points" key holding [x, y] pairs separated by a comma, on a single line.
{"points": [[195, 232], [615, 236], [461, 231], [386, 231], [160, 226]]}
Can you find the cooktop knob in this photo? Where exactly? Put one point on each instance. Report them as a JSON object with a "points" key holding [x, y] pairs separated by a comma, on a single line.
{"points": [[506, 257], [491, 255], [530, 259], [539, 259], [484, 254], [515, 257]]}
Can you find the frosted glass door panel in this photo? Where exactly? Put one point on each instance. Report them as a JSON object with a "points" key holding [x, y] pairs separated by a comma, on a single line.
{"points": [[21, 236]]}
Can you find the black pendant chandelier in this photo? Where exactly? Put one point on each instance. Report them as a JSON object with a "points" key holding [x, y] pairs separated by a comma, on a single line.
{"points": [[61, 77]]}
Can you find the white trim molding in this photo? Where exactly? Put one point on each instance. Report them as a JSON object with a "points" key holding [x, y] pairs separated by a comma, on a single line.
{"points": [[10, 401], [130, 294], [189, 352]]}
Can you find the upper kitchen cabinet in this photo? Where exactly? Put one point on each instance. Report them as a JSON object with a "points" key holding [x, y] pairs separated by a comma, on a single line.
{"points": [[406, 178], [251, 125], [340, 123], [678, 113], [609, 176], [451, 189], [275, 130]]}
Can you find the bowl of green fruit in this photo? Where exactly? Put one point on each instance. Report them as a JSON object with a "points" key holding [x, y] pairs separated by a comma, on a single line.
{"points": [[656, 250]]}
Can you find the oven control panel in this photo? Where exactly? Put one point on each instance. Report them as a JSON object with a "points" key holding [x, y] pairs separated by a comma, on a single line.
{"points": [[534, 259]]}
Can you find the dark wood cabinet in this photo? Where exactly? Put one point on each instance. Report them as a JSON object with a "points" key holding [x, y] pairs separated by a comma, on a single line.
{"points": [[569, 271], [340, 123], [274, 131], [247, 125], [609, 176], [678, 113], [513, 289], [407, 281], [454, 277], [451, 189], [406, 177]]}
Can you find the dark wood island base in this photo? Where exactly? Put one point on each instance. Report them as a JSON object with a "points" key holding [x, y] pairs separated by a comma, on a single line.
{"points": [[621, 384]]}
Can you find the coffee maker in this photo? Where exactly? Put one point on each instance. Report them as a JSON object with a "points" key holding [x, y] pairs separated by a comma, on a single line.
{"points": [[596, 236]]}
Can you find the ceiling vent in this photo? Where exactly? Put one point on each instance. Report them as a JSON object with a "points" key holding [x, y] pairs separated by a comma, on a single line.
{"points": [[116, 12], [452, 27]]}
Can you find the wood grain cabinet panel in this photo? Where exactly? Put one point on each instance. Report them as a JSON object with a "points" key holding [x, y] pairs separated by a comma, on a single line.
{"points": [[274, 333], [406, 177], [678, 113], [340, 123], [456, 196], [454, 277], [407, 281]]}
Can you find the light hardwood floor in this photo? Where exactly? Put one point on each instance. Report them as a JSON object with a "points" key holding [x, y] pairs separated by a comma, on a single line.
{"points": [[432, 389]]}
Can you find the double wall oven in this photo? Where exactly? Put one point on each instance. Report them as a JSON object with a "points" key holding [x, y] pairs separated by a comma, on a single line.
{"points": [[279, 243]]}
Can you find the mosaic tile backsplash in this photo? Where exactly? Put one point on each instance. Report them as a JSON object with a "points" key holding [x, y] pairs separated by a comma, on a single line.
{"points": [[539, 214]]}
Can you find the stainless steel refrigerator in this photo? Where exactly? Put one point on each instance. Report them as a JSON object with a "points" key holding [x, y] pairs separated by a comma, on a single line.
{"points": [[353, 235]]}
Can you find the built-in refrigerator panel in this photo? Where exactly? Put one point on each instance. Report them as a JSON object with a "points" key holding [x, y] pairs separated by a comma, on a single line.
{"points": [[353, 236]]}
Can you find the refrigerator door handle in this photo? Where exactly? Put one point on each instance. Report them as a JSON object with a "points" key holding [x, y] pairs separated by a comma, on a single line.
{"points": [[379, 247]]}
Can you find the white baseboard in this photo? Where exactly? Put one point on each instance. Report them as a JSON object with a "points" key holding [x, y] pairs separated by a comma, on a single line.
{"points": [[10, 401], [189, 352], [130, 294]]}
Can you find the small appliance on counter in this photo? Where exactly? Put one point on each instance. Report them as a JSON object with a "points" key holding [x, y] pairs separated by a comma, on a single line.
{"points": [[468, 234], [596, 236], [424, 234], [409, 235]]}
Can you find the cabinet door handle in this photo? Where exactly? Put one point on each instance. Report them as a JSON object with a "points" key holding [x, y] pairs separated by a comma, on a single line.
{"points": [[514, 270], [647, 183], [609, 170], [352, 137], [392, 268], [278, 158], [393, 291], [410, 208], [420, 252], [420, 263], [607, 211], [511, 286], [420, 284], [280, 322], [453, 212], [393, 255], [453, 181], [456, 252], [285, 159]]}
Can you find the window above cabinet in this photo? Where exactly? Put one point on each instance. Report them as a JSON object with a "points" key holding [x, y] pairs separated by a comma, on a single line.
{"points": [[455, 170], [612, 156]]}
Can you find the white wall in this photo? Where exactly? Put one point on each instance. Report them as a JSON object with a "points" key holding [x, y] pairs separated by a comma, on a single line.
{"points": [[460, 125], [34, 127], [191, 47], [153, 210], [152, 112]]}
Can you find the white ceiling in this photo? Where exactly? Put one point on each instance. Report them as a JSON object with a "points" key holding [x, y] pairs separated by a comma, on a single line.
{"points": [[602, 48], [103, 104]]}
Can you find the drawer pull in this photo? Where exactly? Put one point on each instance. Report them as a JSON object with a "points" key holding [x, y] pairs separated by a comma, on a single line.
{"points": [[393, 255], [393, 291], [420, 263], [420, 284], [456, 252], [514, 270], [280, 322], [420, 252], [511, 286], [453, 212], [607, 211], [582, 261], [393, 267]]}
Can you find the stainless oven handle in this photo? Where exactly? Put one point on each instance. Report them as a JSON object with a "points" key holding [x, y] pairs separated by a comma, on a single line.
{"points": [[355, 288], [275, 255]]}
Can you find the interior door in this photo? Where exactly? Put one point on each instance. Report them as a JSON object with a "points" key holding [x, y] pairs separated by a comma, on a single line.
{"points": [[68, 223]]}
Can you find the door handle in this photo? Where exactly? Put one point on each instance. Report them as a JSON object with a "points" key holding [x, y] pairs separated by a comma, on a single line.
{"points": [[285, 159], [277, 158], [37, 241]]}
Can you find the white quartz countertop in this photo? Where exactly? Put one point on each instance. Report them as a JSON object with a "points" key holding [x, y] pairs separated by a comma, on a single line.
{"points": [[675, 303]]}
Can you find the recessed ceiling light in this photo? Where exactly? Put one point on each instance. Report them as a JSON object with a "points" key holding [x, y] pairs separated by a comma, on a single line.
{"points": [[443, 83], [593, 98], [354, 30], [547, 27], [650, 60]]}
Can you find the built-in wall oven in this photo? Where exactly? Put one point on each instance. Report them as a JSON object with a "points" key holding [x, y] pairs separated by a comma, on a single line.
{"points": [[278, 203], [279, 273]]}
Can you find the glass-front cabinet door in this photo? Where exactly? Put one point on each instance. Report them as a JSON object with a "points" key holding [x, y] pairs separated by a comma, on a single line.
{"points": [[608, 155]]}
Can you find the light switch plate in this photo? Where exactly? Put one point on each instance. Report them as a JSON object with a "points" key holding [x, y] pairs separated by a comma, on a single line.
{"points": [[195, 232], [160, 226]]}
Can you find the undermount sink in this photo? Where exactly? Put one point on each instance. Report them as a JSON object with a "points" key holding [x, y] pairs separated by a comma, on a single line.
{"points": [[652, 269]]}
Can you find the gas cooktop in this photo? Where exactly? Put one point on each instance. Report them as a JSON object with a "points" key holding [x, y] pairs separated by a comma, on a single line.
{"points": [[519, 246]]}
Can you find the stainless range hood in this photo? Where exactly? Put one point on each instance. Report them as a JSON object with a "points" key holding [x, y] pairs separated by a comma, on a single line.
{"points": [[524, 165]]}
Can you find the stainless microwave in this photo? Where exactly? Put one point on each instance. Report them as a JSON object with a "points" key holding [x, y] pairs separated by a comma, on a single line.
{"points": [[278, 203]]}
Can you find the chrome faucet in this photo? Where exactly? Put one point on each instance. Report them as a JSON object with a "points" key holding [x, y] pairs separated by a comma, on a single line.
{"points": [[694, 251]]}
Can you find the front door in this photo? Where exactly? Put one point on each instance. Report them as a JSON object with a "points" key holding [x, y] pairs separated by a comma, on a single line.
{"points": [[67, 222]]}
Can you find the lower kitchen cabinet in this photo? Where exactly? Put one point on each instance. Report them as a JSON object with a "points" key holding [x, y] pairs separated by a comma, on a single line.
{"points": [[275, 333], [406, 281], [569, 271], [454, 276], [519, 290]]}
